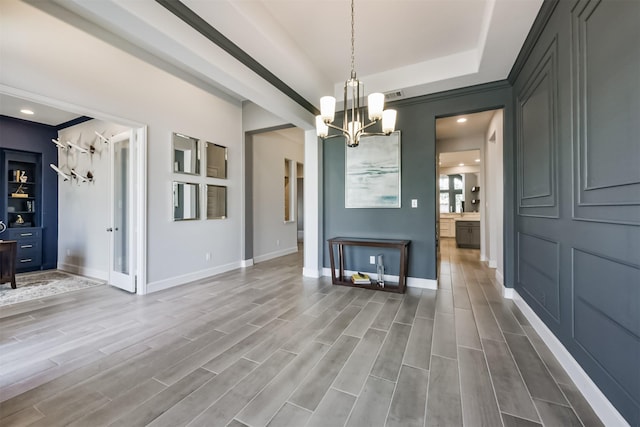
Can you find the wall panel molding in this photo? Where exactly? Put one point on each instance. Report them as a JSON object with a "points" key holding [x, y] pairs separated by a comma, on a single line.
{"points": [[605, 94], [537, 138], [538, 272]]}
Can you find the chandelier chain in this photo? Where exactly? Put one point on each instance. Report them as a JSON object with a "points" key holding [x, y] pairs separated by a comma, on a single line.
{"points": [[353, 41]]}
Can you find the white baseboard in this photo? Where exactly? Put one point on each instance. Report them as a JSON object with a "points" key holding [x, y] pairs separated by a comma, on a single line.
{"points": [[276, 254], [598, 401], [499, 285], [84, 271], [312, 272], [412, 282], [191, 277], [493, 263], [246, 263], [418, 282]]}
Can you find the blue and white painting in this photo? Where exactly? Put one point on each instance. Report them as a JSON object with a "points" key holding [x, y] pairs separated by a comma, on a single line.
{"points": [[372, 178]]}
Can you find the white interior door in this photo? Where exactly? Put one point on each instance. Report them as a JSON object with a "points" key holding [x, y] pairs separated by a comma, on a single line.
{"points": [[122, 212]]}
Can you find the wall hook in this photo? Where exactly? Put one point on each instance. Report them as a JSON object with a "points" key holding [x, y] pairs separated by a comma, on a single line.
{"points": [[59, 172], [105, 140], [77, 147], [59, 144]]}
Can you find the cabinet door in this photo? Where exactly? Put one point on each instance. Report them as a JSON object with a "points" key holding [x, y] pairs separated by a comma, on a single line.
{"points": [[475, 236]]}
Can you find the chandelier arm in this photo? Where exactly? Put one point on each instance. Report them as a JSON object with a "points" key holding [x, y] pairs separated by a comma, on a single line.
{"points": [[369, 124], [332, 126]]}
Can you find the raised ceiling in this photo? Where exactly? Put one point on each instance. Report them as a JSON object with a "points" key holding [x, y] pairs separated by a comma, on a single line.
{"points": [[416, 47]]}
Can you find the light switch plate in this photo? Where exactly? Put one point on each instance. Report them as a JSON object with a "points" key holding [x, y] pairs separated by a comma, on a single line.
{"points": [[414, 203]]}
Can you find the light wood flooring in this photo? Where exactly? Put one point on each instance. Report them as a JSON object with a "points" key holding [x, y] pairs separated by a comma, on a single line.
{"points": [[265, 346]]}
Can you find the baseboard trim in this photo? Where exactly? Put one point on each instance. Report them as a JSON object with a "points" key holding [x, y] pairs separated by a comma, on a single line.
{"points": [[419, 282], [84, 271], [191, 277], [312, 272], [412, 282], [493, 263], [608, 414], [499, 285], [276, 254], [246, 263]]}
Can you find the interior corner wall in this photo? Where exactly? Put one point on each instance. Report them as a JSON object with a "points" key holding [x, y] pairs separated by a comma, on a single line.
{"points": [[22, 135], [83, 208], [272, 236], [109, 83], [416, 122], [577, 100]]}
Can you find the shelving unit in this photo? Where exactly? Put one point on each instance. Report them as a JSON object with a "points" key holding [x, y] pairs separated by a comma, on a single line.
{"points": [[21, 207]]}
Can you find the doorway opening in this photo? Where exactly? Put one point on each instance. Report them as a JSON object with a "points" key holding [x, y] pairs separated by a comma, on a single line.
{"points": [[274, 174], [469, 168]]}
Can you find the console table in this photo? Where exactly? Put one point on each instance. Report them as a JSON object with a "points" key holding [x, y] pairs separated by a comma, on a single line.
{"points": [[341, 279], [8, 249]]}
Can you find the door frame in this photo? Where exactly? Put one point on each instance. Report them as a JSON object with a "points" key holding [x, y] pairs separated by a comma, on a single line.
{"points": [[141, 135]]}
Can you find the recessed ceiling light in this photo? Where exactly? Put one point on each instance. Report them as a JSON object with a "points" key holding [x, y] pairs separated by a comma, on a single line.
{"points": [[460, 164], [27, 112], [477, 160], [461, 120]]}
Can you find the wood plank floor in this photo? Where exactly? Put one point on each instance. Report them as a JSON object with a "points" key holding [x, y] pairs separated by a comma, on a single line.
{"points": [[265, 346]]}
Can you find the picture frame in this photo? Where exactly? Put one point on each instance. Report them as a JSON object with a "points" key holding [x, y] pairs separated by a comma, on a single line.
{"points": [[373, 172]]}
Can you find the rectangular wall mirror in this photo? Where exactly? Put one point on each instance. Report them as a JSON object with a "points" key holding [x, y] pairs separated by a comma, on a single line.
{"points": [[216, 161], [216, 202], [186, 154], [186, 201]]}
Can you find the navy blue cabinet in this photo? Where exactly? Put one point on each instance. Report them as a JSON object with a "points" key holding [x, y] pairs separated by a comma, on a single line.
{"points": [[22, 206]]}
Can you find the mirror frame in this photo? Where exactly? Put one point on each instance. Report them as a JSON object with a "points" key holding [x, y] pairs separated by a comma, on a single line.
{"points": [[225, 160], [195, 170], [225, 216], [174, 192]]}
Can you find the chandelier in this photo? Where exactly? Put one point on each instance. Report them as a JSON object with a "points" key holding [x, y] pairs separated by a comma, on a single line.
{"points": [[353, 124]]}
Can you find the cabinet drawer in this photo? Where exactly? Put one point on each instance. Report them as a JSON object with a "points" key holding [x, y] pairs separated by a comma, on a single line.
{"points": [[467, 223], [28, 246], [24, 233], [28, 261]]}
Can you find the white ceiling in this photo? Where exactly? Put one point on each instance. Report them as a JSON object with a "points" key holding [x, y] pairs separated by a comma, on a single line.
{"points": [[476, 124], [10, 106], [468, 158], [416, 46]]}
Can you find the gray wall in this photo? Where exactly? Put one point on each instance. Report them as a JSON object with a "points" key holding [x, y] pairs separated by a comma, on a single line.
{"points": [[578, 155], [416, 122]]}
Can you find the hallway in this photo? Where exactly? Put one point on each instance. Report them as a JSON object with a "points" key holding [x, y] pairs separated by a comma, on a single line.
{"points": [[264, 345]]}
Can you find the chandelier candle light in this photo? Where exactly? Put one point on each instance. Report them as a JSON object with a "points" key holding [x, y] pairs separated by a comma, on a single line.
{"points": [[353, 126]]}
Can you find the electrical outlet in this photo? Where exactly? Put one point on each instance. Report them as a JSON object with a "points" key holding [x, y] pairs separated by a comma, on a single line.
{"points": [[207, 256], [414, 203], [372, 259]]}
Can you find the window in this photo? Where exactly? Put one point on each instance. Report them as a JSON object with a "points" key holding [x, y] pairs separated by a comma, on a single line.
{"points": [[451, 193]]}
